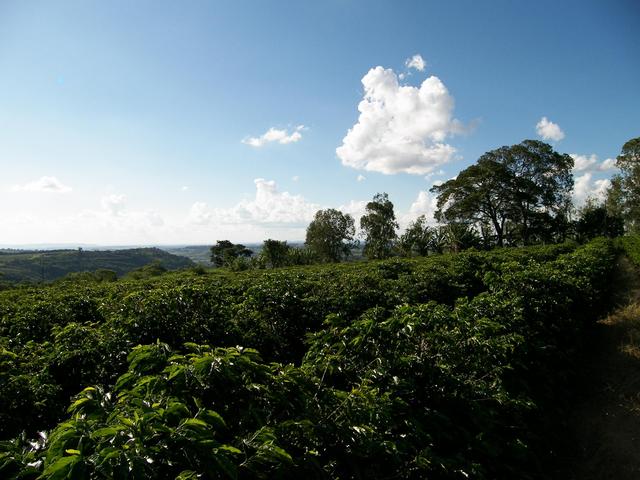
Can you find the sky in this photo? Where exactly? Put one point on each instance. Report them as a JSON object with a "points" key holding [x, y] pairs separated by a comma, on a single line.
{"points": [[163, 122]]}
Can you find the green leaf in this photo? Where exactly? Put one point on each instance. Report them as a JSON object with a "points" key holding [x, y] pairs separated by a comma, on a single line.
{"points": [[78, 403], [212, 418], [61, 468], [106, 431], [187, 475]]}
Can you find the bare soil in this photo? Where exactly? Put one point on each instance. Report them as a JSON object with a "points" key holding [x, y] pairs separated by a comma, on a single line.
{"points": [[601, 437]]}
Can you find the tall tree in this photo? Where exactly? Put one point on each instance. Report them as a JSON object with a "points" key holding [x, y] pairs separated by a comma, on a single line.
{"points": [[275, 253], [522, 192], [379, 226], [418, 238], [595, 221], [224, 253], [624, 195], [330, 235]]}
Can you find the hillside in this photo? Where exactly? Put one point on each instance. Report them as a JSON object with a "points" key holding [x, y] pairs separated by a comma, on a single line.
{"points": [[45, 266]]}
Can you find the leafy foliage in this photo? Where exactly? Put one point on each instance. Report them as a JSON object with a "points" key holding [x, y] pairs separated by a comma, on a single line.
{"points": [[330, 235], [379, 226], [275, 253], [224, 253], [521, 193], [624, 195], [440, 367]]}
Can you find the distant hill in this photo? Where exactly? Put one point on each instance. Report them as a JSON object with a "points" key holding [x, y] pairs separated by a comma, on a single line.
{"points": [[48, 265], [197, 253]]}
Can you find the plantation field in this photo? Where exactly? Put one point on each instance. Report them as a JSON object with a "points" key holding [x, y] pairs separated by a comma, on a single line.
{"points": [[451, 366]]}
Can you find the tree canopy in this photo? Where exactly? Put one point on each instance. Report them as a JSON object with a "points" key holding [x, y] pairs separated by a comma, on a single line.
{"points": [[224, 253], [275, 253], [379, 226], [624, 195], [517, 194], [330, 235], [418, 239]]}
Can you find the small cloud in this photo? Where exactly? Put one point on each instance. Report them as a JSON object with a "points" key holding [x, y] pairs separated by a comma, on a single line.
{"points": [[548, 130], [582, 163], [416, 62], [295, 178], [113, 204], [589, 163], [429, 176], [272, 135], [44, 184], [184, 188], [361, 178], [607, 164]]}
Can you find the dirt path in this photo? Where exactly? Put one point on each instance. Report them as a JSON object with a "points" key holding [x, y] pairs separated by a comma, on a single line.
{"points": [[603, 431]]}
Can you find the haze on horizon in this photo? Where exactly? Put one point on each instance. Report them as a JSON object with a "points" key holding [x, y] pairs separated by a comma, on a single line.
{"points": [[161, 123]]}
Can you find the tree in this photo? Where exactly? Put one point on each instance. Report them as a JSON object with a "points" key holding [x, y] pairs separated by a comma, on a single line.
{"points": [[379, 226], [330, 235], [520, 194], [595, 221], [455, 237], [224, 253], [623, 197], [418, 238], [275, 253]]}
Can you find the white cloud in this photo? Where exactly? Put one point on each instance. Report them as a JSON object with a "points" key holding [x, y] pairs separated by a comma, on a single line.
{"points": [[549, 130], [113, 204], [361, 178], [583, 163], [607, 164], [295, 178], [416, 62], [280, 136], [432, 174], [269, 206], [199, 214], [585, 187], [184, 188], [425, 204], [400, 128], [589, 163], [43, 184]]}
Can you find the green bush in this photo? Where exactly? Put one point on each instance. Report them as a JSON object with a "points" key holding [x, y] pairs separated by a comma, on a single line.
{"points": [[446, 367]]}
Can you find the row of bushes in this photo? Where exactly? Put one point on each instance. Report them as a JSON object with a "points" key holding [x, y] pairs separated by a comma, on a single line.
{"points": [[631, 246], [56, 340], [399, 387]]}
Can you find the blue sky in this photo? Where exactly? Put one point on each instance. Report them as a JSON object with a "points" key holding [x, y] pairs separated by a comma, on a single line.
{"points": [[144, 122]]}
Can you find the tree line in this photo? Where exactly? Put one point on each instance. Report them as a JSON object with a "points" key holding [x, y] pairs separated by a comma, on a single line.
{"points": [[512, 196]]}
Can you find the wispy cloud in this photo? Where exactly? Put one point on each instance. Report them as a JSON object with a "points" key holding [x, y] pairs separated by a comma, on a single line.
{"points": [[274, 135], [43, 184], [416, 62]]}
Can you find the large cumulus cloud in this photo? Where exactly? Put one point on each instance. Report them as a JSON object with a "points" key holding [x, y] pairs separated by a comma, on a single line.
{"points": [[401, 128]]}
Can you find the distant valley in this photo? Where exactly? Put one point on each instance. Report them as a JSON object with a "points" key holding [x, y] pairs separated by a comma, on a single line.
{"points": [[48, 265]]}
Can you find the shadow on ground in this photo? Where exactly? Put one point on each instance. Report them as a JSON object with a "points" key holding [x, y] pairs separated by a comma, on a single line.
{"points": [[602, 434]]}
